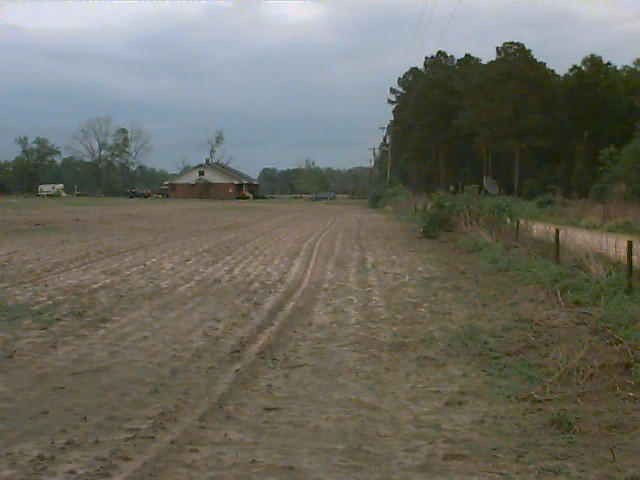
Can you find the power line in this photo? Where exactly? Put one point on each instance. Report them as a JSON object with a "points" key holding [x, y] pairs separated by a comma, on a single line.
{"points": [[426, 27], [414, 37], [446, 26]]}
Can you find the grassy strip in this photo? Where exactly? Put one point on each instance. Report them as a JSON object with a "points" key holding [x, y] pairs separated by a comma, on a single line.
{"points": [[579, 362], [603, 293], [601, 296], [561, 342], [442, 209], [597, 297]]}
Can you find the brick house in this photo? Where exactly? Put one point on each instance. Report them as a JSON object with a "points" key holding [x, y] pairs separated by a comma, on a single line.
{"points": [[213, 180]]}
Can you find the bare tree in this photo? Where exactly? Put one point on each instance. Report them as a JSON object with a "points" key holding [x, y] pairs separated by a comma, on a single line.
{"points": [[215, 146], [92, 140], [139, 144]]}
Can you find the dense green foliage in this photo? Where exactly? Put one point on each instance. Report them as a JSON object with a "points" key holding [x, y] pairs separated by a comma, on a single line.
{"points": [[388, 197], [445, 212], [603, 293], [514, 119], [464, 212], [620, 170], [310, 178], [105, 161]]}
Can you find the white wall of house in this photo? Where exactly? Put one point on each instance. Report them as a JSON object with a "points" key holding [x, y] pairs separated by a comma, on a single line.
{"points": [[210, 174]]}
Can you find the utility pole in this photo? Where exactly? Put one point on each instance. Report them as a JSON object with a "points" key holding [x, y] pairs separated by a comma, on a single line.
{"points": [[387, 131], [373, 160]]}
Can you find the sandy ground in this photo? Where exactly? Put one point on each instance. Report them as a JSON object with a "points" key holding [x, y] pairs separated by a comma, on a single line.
{"points": [[200, 340]]}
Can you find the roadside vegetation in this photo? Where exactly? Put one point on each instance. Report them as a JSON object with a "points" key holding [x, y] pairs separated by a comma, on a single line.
{"points": [[310, 178], [486, 225], [103, 159], [560, 343], [514, 119], [573, 354], [566, 148]]}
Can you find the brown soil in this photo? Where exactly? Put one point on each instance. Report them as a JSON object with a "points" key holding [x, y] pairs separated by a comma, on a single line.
{"points": [[195, 339]]}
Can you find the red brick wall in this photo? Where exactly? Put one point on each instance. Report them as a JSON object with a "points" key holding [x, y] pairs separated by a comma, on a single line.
{"points": [[215, 191], [218, 191]]}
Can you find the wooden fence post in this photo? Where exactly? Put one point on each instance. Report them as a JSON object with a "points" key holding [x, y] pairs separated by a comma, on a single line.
{"points": [[557, 250], [629, 285], [517, 229]]}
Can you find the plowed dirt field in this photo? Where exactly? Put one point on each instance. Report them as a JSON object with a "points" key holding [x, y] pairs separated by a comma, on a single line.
{"points": [[191, 339]]}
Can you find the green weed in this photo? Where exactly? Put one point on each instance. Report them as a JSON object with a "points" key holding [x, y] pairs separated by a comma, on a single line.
{"points": [[603, 295], [445, 212], [14, 316], [382, 197], [562, 422], [499, 349]]}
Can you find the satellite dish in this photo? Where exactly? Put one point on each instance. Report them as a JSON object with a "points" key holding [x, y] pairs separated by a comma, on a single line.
{"points": [[490, 185]]}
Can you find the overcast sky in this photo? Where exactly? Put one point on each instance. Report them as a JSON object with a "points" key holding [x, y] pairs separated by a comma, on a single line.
{"points": [[285, 80]]}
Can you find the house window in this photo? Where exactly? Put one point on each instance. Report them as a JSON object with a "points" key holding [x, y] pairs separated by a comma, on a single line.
{"points": [[201, 173]]}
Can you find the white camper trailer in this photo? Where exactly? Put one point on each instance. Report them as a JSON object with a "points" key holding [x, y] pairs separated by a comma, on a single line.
{"points": [[51, 189]]}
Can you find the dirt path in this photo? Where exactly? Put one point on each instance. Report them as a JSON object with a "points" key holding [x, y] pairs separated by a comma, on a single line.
{"points": [[251, 341]]}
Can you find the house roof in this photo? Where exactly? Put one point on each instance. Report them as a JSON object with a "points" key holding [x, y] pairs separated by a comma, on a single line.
{"points": [[235, 176], [232, 171]]}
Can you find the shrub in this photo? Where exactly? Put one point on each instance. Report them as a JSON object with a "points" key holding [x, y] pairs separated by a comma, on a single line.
{"points": [[621, 225], [600, 192], [530, 188], [382, 197], [439, 216], [468, 211], [545, 201], [589, 222], [376, 195], [395, 195]]}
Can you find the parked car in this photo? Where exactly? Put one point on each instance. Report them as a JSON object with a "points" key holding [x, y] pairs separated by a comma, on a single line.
{"points": [[324, 196], [163, 192], [135, 193]]}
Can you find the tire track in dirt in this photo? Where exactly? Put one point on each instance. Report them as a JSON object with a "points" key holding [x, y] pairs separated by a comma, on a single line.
{"points": [[118, 332], [83, 263], [142, 248], [257, 256], [196, 453], [326, 409], [369, 267], [106, 242], [193, 359], [140, 261], [55, 251], [421, 396], [146, 286], [342, 345], [131, 327], [279, 310], [380, 332], [254, 262], [143, 287]]}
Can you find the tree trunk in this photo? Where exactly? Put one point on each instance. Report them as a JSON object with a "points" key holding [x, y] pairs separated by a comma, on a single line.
{"points": [[441, 168], [516, 171], [434, 158], [485, 163], [490, 169]]}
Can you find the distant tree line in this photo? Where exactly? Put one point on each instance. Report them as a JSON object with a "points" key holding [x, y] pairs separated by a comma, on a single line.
{"points": [[456, 120], [311, 178], [104, 159]]}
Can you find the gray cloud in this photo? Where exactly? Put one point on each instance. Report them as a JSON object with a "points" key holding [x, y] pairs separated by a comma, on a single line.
{"points": [[282, 90]]}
